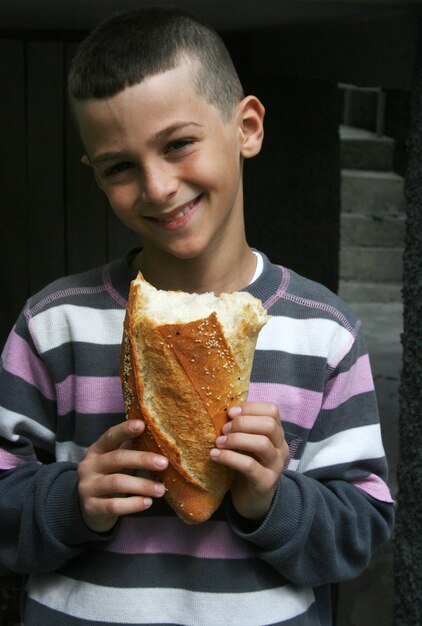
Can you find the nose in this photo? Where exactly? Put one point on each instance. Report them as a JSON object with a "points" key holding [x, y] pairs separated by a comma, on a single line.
{"points": [[159, 183]]}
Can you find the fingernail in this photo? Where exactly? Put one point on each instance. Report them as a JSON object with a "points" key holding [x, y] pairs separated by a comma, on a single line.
{"points": [[214, 453], [160, 461], [147, 502], [235, 411], [159, 489], [135, 425], [220, 440], [227, 428]]}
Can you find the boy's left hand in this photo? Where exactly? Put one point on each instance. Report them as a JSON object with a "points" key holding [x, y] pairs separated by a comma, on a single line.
{"points": [[253, 444]]}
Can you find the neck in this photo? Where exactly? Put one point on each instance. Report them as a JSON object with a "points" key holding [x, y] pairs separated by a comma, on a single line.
{"points": [[224, 273]]}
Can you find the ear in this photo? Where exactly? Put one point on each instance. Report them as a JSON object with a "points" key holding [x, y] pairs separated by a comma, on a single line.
{"points": [[87, 161], [251, 125]]}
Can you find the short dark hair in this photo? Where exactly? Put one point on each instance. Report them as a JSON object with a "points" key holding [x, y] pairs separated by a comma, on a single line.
{"points": [[129, 46]]}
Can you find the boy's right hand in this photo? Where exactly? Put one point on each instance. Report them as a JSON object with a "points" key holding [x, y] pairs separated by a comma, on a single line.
{"points": [[106, 490]]}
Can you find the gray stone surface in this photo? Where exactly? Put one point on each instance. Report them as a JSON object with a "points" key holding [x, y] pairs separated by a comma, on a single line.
{"points": [[372, 230], [373, 222], [371, 192], [363, 150], [371, 264], [354, 291]]}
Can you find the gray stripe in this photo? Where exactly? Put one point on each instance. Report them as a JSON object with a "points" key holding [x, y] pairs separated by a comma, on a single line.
{"points": [[360, 410], [350, 472], [146, 571], [84, 359], [289, 369], [84, 429], [20, 397]]}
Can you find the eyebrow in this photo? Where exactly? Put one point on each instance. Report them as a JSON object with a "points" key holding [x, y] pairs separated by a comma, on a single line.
{"points": [[162, 134], [173, 128], [106, 156]]}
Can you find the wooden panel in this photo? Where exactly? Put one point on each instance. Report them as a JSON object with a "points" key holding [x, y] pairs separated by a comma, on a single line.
{"points": [[292, 190], [13, 241], [87, 207], [120, 238], [45, 155]]}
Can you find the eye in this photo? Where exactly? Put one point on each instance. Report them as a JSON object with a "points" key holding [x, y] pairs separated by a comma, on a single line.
{"points": [[117, 168], [179, 145]]}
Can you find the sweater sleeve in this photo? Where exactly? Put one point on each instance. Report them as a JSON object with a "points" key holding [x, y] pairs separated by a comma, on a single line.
{"points": [[318, 533], [332, 509], [41, 522]]}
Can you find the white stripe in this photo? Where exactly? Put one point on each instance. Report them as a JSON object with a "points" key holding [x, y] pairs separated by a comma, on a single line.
{"points": [[168, 606], [68, 322], [312, 337], [19, 425], [69, 451], [347, 446]]}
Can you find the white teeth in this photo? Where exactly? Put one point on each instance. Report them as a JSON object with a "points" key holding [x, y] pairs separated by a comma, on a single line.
{"points": [[178, 215]]}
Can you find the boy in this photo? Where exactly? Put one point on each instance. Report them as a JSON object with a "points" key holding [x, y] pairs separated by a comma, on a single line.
{"points": [[165, 126]]}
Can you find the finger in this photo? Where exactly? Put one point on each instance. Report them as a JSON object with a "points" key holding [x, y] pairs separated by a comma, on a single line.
{"points": [[112, 507], [262, 480], [260, 446], [261, 425], [125, 459], [115, 436], [255, 408], [119, 484], [242, 463]]}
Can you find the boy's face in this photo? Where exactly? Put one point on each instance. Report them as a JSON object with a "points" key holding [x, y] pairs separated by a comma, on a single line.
{"points": [[168, 163]]}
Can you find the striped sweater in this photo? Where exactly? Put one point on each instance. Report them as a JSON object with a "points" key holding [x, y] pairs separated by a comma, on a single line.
{"points": [[59, 390]]}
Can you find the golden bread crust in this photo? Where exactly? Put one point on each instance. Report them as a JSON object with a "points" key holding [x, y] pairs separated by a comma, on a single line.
{"points": [[181, 379]]}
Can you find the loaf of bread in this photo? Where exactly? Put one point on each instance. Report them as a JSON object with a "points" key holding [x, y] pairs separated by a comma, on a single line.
{"points": [[186, 359]]}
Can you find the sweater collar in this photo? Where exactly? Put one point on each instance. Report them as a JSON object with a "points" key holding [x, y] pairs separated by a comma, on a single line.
{"points": [[273, 279]]}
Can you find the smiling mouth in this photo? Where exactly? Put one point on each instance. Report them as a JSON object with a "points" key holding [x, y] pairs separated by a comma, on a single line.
{"points": [[174, 217]]}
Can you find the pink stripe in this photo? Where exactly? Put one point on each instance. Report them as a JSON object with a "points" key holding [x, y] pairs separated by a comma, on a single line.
{"points": [[159, 535], [10, 461], [296, 405], [357, 380], [90, 394], [374, 486], [20, 361]]}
